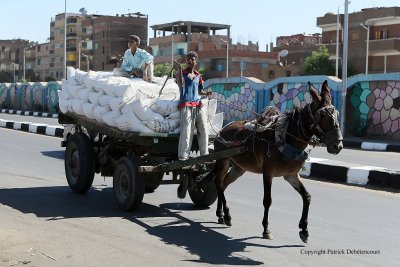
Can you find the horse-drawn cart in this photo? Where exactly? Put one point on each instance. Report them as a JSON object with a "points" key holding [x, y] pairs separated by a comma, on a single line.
{"points": [[136, 161]]}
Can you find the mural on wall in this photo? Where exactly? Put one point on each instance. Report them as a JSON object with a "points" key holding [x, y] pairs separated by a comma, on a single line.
{"points": [[236, 100], [286, 96], [3, 95], [373, 108], [33, 97]]}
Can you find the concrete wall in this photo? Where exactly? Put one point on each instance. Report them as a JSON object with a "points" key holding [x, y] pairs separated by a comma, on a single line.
{"points": [[372, 101]]}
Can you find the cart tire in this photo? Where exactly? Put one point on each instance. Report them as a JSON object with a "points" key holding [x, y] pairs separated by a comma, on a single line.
{"points": [[79, 163], [204, 197], [152, 181], [128, 184]]}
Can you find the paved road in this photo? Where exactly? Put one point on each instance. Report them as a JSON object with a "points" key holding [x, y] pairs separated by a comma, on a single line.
{"points": [[44, 224]]}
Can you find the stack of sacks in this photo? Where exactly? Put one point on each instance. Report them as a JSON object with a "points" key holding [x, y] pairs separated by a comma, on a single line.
{"points": [[129, 104]]}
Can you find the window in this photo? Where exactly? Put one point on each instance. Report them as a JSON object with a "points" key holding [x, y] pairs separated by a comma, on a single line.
{"points": [[219, 67], [38, 61], [288, 73], [334, 38], [381, 34], [264, 65], [271, 74], [354, 36], [104, 50]]}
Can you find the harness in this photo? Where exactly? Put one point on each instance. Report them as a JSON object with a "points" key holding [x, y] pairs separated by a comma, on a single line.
{"points": [[272, 119]]}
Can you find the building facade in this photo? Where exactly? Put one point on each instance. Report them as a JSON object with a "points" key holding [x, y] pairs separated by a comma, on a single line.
{"points": [[91, 40], [12, 57], [217, 54], [373, 40]]}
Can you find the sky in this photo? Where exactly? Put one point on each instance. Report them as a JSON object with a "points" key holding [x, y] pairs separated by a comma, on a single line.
{"points": [[255, 20]]}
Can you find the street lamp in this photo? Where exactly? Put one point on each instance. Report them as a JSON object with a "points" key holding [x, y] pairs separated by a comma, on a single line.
{"points": [[79, 52], [87, 62], [13, 67], [24, 62], [172, 45], [65, 40], [344, 65], [227, 57], [366, 55]]}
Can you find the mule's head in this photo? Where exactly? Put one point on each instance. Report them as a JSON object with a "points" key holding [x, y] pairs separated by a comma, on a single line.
{"points": [[324, 119]]}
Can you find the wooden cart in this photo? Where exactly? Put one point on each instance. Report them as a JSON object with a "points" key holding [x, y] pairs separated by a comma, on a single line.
{"points": [[136, 161]]}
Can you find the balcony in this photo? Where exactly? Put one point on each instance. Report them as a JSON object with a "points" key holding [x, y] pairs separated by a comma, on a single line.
{"points": [[71, 49], [384, 47], [71, 34], [72, 20]]}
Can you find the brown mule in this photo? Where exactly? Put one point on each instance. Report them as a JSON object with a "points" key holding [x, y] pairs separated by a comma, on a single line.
{"points": [[276, 146]]}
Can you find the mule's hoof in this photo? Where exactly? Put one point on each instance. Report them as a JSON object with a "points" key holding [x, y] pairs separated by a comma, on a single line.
{"points": [[268, 235], [304, 236], [228, 223], [221, 220]]}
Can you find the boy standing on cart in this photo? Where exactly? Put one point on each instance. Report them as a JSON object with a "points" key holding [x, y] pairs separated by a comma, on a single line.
{"points": [[193, 112]]}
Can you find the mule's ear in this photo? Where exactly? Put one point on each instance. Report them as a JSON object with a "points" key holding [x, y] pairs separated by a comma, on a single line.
{"points": [[313, 92], [325, 88]]}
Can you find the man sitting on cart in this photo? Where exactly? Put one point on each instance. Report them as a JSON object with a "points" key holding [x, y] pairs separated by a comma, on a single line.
{"points": [[136, 62]]}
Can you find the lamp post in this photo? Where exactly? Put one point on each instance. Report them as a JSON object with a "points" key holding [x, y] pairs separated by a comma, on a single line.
{"points": [[366, 54], [344, 65], [24, 62], [79, 52], [172, 45], [87, 62], [227, 57], [65, 40], [14, 68]]}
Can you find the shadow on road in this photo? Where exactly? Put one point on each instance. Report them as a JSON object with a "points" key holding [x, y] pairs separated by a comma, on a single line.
{"points": [[165, 222], [57, 154]]}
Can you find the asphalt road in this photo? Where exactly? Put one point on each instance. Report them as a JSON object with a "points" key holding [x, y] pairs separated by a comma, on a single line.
{"points": [[44, 224]]}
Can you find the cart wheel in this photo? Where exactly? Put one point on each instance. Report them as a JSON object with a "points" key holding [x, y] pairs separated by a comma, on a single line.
{"points": [[128, 184], [205, 195], [79, 163], [152, 181]]}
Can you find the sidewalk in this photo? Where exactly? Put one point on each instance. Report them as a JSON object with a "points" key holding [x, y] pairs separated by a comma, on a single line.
{"points": [[328, 170]]}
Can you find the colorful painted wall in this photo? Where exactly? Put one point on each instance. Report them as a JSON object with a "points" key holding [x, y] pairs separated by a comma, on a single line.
{"points": [[373, 106], [30, 96], [372, 101]]}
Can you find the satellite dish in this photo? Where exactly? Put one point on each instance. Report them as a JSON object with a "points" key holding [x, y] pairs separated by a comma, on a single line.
{"points": [[283, 53], [83, 11]]}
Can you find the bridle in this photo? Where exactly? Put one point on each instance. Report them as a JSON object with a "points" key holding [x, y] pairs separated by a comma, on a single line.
{"points": [[331, 136]]}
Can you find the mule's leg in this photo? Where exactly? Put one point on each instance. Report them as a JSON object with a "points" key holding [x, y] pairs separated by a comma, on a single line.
{"points": [[222, 170], [296, 183], [234, 173], [267, 180]]}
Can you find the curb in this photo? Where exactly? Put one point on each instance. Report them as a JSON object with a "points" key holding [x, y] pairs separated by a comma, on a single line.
{"points": [[38, 128], [371, 146], [354, 175], [29, 113]]}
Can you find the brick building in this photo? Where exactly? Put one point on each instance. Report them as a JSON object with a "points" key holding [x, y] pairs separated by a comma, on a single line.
{"points": [[210, 41], [378, 27], [90, 41], [12, 57]]}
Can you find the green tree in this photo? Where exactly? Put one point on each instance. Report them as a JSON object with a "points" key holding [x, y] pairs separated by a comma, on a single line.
{"points": [[319, 63], [162, 69]]}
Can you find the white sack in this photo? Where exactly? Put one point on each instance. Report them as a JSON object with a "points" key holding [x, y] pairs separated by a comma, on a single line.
{"points": [[165, 126], [165, 107], [130, 122], [216, 124], [99, 111], [109, 118], [88, 110]]}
